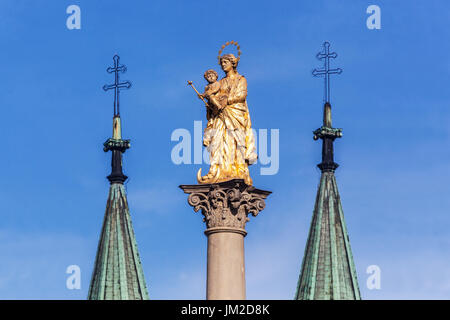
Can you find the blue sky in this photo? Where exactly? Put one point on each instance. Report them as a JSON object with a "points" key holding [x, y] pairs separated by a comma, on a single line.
{"points": [[391, 100]]}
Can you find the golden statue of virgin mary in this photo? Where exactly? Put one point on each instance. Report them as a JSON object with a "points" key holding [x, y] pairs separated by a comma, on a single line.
{"points": [[228, 135]]}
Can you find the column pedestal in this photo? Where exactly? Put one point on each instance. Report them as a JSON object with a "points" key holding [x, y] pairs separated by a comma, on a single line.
{"points": [[225, 207]]}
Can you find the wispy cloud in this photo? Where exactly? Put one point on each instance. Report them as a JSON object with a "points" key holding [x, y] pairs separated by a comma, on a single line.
{"points": [[33, 265], [160, 200]]}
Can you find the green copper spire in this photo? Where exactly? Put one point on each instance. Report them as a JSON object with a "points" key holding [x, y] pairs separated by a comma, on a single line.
{"points": [[328, 271], [118, 273]]}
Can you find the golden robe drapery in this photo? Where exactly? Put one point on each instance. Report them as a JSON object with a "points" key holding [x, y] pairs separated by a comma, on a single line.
{"points": [[229, 136]]}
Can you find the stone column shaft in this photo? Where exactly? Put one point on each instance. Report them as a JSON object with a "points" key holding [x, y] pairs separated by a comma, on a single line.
{"points": [[225, 207], [226, 265]]}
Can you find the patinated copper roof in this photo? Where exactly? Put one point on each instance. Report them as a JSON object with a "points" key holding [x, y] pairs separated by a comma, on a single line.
{"points": [[118, 273], [328, 271]]}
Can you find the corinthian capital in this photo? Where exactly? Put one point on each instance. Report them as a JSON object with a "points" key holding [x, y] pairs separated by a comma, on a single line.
{"points": [[227, 204]]}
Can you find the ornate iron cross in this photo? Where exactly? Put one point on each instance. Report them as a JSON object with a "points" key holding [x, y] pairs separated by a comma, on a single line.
{"points": [[117, 84], [326, 71]]}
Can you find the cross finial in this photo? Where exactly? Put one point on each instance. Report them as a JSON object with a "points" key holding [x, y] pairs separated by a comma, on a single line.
{"points": [[326, 71], [117, 84]]}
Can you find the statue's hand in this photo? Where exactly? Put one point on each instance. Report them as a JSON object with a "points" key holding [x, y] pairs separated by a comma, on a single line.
{"points": [[223, 102]]}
